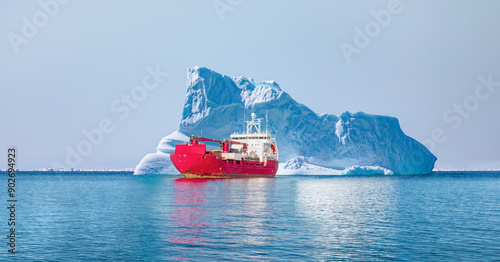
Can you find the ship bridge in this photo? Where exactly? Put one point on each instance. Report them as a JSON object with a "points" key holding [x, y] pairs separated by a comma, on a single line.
{"points": [[260, 144]]}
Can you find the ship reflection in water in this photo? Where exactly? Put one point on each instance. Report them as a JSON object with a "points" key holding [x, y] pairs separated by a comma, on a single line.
{"points": [[220, 214], [189, 214]]}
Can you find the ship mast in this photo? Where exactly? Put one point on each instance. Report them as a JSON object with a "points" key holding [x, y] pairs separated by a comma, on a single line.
{"points": [[255, 122]]}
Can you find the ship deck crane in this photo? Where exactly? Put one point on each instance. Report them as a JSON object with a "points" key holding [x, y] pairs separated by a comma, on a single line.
{"points": [[224, 143]]}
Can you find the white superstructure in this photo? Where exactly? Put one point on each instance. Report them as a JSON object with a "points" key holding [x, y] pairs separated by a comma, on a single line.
{"points": [[260, 145]]}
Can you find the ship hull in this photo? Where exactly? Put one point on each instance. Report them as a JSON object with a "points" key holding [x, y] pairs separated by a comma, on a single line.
{"points": [[193, 161], [224, 175]]}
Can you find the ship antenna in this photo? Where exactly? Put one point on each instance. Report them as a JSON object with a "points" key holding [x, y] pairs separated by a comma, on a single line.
{"points": [[267, 112]]}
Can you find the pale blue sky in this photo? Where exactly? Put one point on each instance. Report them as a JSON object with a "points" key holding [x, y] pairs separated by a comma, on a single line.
{"points": [[426, 59]]}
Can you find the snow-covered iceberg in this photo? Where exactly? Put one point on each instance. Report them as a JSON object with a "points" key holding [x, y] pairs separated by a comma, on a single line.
{"points": [[350, 143]]}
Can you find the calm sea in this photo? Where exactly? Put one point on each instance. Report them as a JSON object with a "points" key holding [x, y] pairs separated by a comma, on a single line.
{"points": [[96, 216]]}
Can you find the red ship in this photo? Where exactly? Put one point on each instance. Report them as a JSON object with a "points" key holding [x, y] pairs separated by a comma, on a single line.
{"points": [[252, 154]]}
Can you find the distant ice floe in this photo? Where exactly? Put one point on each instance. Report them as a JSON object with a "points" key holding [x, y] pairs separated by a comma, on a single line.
{"points": [[463, 170], [129, 169], [300, 166]]}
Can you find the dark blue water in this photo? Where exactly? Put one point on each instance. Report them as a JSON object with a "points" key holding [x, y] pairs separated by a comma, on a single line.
{"points": [[446, 216]]}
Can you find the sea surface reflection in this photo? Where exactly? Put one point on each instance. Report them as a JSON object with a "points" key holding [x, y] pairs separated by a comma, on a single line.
{"points": [[93, 216], [349, 215]]}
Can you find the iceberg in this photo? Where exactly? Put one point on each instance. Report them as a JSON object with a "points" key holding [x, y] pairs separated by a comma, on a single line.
{"points": [[216, 106]]}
